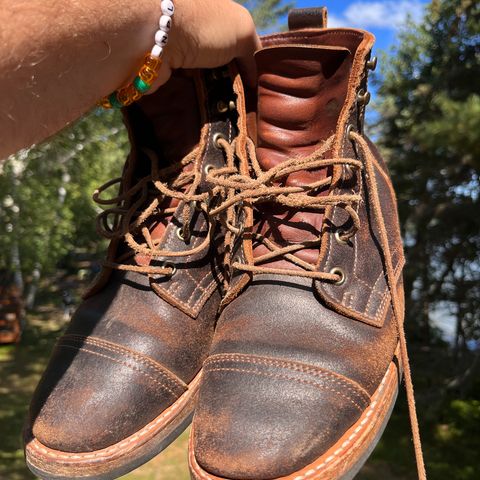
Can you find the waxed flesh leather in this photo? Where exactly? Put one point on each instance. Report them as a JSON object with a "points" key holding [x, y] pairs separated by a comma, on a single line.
{"points": [[295, 361], [137, 341]]}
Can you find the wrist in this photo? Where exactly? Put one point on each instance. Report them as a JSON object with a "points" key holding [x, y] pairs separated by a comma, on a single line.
{"points": [[142, 82]]}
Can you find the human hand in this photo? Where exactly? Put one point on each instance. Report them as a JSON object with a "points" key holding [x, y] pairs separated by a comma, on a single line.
{"points": [[208, 34]]}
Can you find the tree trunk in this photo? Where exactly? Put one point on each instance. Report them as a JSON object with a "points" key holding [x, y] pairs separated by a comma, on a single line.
{"points": [[33, 287]]}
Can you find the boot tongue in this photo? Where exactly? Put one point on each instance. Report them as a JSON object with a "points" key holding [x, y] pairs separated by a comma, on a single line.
{"points": [[301, 92], [169, 123], [172, 114]]}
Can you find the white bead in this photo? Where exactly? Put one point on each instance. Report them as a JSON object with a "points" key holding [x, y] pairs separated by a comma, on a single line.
{"points": [[157, 51], [161, 38], [165, 23], [167, 7]]}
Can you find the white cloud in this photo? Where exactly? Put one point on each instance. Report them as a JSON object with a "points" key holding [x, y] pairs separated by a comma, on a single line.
{"points": [[377, 14]]}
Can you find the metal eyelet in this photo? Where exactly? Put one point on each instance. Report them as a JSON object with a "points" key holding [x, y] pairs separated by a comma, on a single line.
{"points": [[349, 131], [172, 266], [338, 271], [372, 63], [218, 136], [208, 168], [363, 97], [338, 237], [179, 233]]}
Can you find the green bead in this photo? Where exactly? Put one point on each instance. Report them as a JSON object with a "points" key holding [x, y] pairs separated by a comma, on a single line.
{"points": [[114, 100], [141, 85]]}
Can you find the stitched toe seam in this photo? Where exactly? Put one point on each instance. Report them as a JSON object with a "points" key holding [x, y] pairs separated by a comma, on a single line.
{"points": [[319, 386], [173, 381], [132, 367], [342, 382]]}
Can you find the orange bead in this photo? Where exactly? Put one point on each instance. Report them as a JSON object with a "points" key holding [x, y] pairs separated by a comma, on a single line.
{"points": [[147, 74], [152, 62]]}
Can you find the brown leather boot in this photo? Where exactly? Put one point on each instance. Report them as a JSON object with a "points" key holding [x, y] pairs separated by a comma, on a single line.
{"points": [[122, 381], [309, 348]]}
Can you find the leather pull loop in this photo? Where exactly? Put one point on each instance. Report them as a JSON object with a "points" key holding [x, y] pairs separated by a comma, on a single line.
{"points": [[301, 18]]}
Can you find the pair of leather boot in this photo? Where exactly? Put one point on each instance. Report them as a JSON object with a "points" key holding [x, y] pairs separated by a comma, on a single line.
{"points": [[254, 274]]}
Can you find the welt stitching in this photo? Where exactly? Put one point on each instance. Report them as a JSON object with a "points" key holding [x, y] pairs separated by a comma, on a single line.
{"points": [[172, 296], [378, 403], [208, 291], [355, 262], [109, 451], [372, 292], [381, 307], [385, 291], [309, 370], [286, 377], [386, 294], [137, 356], [189, 275], [365, 423], [153, 379]]}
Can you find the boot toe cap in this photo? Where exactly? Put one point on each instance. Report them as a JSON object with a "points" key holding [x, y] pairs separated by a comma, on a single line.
{"points": [[259, 420], [93, 395]]}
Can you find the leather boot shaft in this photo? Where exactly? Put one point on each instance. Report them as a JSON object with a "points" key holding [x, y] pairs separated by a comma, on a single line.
{"points": [[303, 82]]}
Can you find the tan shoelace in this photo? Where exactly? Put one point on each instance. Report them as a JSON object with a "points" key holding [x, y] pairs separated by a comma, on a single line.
{"points": [[129, 215], [239, 189]]}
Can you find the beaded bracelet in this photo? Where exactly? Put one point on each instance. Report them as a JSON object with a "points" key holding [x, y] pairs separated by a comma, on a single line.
{"points": [[149, 70]]}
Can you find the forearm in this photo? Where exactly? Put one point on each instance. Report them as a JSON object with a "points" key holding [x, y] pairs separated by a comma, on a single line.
{"points": [[58, 58]]}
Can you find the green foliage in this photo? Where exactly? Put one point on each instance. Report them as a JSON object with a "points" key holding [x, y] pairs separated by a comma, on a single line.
{"points": [[45, 192], [430, 130], [430, 133], [266, 13]]}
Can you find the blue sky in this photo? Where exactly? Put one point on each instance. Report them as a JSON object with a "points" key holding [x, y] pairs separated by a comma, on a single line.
{"points": [[381, 17]]}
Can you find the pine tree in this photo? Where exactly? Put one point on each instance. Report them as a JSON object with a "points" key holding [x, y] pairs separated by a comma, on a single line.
{"points": [[430, 131]]}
